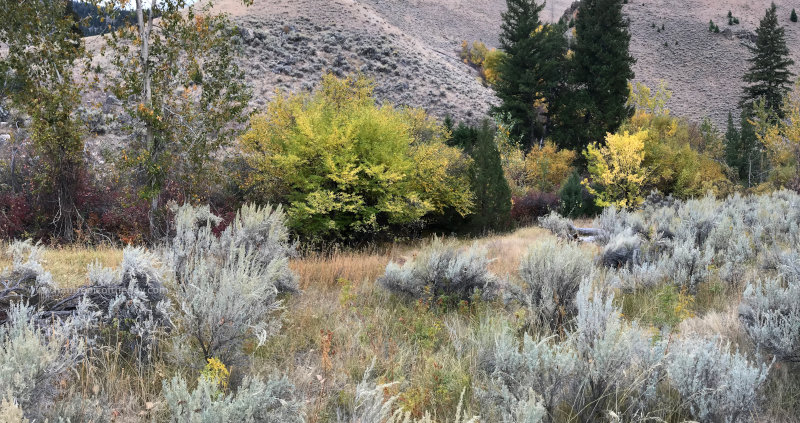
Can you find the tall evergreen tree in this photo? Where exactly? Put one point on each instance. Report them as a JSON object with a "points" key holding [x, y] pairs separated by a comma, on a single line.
{"points": [[531, 74], [601, 70], [769, 77]]}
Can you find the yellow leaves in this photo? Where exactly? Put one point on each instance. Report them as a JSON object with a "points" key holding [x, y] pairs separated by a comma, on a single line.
{"points": [[616, 168], [647, 102], [547, 167], [348, 165], [781, 137], [216, 372]]}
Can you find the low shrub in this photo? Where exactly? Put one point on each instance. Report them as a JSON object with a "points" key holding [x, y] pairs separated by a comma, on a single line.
{"points": [[536, 375], [621, 364], [624, 250], [717, 385], [525, 210], [133, 301], [33, 360], [770, 314], [226, 293], [25, 281], [254, 401], [442, 269], [552, 274], [558, 225]]}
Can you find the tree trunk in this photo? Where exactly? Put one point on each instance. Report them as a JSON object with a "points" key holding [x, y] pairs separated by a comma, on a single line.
{"points": [[145, 29]]}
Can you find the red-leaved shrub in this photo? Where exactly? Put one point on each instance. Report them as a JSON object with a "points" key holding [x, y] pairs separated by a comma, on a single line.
{"points": [[527, 208]]}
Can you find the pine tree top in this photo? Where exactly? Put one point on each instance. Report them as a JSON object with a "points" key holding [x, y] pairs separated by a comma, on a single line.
{"points": [[769, 76]]}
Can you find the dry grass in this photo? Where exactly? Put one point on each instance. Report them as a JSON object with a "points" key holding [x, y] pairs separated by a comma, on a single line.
{"points": [[343, 320], [68, 264]]}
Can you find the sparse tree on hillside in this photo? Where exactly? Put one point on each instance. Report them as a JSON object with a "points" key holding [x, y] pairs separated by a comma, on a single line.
{"points": [[601, 70], [531, 73], [43, 53], [793, 16], [769, 77], [177, 77]]}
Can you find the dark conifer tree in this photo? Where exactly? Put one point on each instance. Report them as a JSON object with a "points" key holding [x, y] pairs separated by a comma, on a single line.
{"points": [[492, 193], [601, 69], [532, 73], [733, 146], [769, 77]]}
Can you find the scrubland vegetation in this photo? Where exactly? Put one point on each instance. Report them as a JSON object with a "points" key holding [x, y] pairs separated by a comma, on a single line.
{"points": [[580, 255]]}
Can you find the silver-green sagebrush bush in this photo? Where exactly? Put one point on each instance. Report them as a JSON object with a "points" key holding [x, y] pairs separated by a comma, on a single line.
{"points": [[622, 250], [33, 357], [621, 363], [770, 314], [442, 269], [223, 304], [371, 405], [604, 364], [717, 385], [560, 226], [228, 285], [539, 374], [260, 230], [254, 401], [26, 279], [133, 300], [552, 274]]}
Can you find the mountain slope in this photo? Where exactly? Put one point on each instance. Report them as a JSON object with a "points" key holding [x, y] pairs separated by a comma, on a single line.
{"points": [[410, 48]]}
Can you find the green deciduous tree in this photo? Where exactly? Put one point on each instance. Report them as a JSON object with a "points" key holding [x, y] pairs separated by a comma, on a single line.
{"points": [[39, 66], [769, 77], [531, 73], [601, 71], [347, 167], [176, 75]]}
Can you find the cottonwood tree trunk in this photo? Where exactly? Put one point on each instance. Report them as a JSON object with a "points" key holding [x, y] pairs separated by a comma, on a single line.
{"points": [[145, 28]]}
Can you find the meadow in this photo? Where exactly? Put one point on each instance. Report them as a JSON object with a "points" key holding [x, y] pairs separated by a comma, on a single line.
{"points": [[669, 313]]}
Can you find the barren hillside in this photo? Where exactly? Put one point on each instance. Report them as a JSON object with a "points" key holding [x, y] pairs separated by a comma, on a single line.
{"points": [[409, 47]]}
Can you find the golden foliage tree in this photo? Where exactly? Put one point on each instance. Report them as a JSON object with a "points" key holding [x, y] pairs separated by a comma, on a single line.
{"points": [[781, 138], [346, 166], [683, 159], [618, 176], [547, 167]]}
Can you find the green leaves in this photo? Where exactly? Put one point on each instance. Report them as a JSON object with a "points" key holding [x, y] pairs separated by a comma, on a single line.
{"points": [[347, 166]]}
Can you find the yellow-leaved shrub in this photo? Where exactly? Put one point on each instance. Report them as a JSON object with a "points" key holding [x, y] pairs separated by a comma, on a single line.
{"points": [[781, 138], [618, 177], [346, 166], [547, 167]]}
